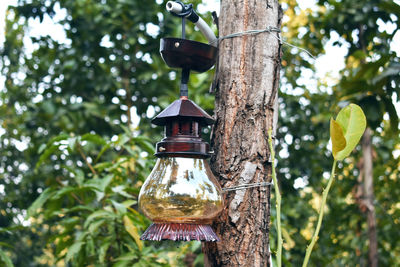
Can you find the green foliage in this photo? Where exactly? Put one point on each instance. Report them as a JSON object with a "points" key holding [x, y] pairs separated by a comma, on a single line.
{"points": [[4, 259], [368, 79], [94, 214], [349, 127], [61, 98], [345, 134], [72, 156], [278, 202]]}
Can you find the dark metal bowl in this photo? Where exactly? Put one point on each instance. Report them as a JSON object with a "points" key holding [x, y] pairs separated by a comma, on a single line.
{"points": [[187, 54]]}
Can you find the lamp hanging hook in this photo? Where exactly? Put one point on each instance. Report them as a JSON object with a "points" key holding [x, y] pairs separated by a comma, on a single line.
{"points": [[179, 9]]}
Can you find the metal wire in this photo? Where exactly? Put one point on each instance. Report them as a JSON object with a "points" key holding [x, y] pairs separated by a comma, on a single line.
{"points": [[245, 186], [269, 29]]}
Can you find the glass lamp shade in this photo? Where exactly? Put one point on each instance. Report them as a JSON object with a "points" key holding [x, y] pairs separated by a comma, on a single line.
{"points": [[182, 197]]}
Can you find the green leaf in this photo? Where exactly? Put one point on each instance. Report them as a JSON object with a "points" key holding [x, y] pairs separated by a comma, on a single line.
{"points": [[58, 138], [5, 259], [5, 230], [121, 209], [100, 184], [126, 130], [120, 189], [102, 166], [352, 121], [104, 149], [145, 144], [46, 154], [63, 191], [72, 141], [390, 7], [3, 244], [73, 250], [93, 227], [78, 174], [392, 70], [122, 139], [133, 231], [105, 182], [128, 203], [38, 203], [100, 214], [103, 250], [80, 208], [94, 138], [125, 263], [337, 137], [125, 258], [41, 148], [117, 164], [391, 110]]}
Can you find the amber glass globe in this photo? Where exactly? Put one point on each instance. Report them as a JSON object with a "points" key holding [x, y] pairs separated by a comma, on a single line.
{"points": [[181, 190]]}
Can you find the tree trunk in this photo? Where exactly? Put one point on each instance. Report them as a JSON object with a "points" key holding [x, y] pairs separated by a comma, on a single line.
{"points": [[245, 108], [368, 193]]}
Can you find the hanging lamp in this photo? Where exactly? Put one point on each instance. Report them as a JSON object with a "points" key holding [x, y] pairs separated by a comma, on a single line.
{"points": [[181, 195]]}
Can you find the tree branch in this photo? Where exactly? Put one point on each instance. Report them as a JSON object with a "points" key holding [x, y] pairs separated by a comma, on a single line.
{"points": [[320, 216], [278, 201], [72, 194], [79, 147]]}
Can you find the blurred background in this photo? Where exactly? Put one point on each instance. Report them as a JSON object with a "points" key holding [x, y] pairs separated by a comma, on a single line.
{"points": [[80, 81]]}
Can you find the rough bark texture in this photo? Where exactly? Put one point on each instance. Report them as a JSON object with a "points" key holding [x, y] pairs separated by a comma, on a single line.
{"points": [[368, 193], [245, 108]]}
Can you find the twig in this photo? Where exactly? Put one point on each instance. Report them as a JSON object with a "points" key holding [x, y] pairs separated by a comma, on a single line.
{"points": [[117, 236], [72, 194], [128, 99], [78, 146], [320, 216], [278, 201]]}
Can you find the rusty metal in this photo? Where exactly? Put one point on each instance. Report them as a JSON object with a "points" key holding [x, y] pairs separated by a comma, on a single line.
{"points": [[183, 121], [188, 54]]}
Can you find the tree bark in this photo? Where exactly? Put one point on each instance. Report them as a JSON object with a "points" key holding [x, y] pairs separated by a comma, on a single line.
{"points": [[245, 108], [368, 193], [368, 184]]}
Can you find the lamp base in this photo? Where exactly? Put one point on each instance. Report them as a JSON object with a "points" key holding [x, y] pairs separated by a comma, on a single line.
{"points": [[180, 232]]}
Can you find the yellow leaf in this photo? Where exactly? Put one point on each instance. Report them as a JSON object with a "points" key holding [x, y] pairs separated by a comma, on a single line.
{"points": [[337, 137], [289, 243], [133, 231]]}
